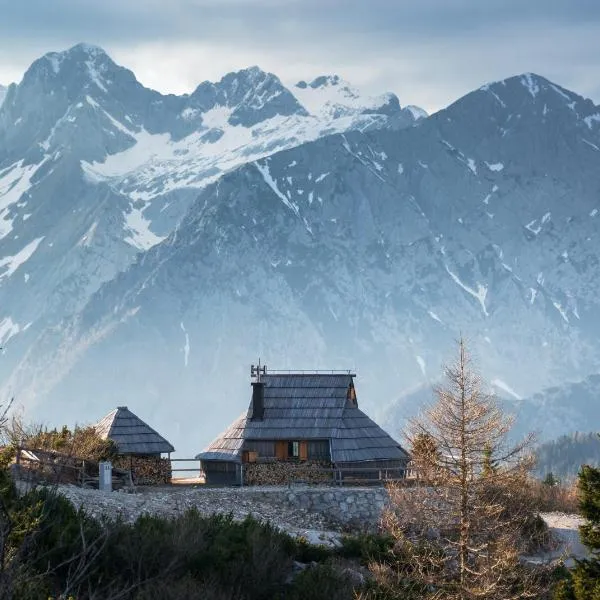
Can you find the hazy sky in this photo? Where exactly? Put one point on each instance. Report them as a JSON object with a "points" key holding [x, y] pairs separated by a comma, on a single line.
{"points": [[429, 52]]}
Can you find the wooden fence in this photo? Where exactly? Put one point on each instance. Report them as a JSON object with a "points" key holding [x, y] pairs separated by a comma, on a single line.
{"points": [[197, 469], [56, 468]]}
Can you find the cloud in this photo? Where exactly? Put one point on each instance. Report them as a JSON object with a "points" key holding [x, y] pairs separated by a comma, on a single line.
{"points": [[429, 52]]}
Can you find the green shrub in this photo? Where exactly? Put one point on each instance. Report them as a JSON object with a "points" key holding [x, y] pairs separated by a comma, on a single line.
{"points": [[368, 547], [322, 582]]}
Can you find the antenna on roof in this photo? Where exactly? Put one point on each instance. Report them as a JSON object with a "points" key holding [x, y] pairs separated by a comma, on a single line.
{"points": [[258, 370]]}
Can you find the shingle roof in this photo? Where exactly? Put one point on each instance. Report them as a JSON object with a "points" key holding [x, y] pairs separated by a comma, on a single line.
{"points": [[131, 434], [305, 407]]}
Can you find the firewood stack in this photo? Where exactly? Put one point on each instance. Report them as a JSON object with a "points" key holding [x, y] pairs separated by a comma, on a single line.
{"points": [[284, 473], [146, 470]]}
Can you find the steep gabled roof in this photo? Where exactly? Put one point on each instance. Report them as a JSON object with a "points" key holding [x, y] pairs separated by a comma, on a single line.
{"points": [[131, 434], [304, 407]]}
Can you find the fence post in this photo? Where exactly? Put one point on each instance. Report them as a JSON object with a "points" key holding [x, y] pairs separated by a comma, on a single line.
{"points": [[105, 476]]}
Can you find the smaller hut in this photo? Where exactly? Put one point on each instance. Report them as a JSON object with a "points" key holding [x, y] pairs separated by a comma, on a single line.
{"points": [[131, 435], [139, 447]]}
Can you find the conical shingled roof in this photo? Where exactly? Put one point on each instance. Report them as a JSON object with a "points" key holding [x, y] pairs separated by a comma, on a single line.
{"points": [[309, 406], [131, 434]]}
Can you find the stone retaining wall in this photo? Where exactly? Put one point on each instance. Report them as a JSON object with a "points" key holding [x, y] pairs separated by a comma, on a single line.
{"points": [[307, 507], [346, 506]]}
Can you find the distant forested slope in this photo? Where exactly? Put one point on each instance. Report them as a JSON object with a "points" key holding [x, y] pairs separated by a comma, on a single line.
{"points": [[564, 456]]}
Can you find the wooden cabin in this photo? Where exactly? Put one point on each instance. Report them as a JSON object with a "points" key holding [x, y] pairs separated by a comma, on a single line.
{"points": [[303, 417]]}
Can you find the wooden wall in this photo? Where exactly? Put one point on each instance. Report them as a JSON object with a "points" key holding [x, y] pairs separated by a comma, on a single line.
{"points": [[308, 450], [218, 472]]}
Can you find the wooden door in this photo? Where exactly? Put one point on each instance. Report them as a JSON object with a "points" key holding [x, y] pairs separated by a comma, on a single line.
{"points": [[281, 450], [303, 453]]}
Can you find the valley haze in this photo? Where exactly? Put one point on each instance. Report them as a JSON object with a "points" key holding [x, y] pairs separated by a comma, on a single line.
{"points": [[153, 246]]}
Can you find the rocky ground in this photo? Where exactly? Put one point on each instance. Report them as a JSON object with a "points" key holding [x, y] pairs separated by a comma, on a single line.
{"points": [[241, 502], [171, 501]]}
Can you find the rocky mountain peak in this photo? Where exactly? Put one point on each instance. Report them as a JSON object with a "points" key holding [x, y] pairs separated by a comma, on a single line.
{"points": [[251, 95], [320, 82], [82, 66], [530, 93]]}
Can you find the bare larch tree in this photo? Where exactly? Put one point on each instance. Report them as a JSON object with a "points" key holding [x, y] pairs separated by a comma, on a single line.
{"points": [[461, 529]]}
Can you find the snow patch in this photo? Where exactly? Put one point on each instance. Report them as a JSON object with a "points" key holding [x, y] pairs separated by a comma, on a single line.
{"points": [[561, 310], [530, 226], [471, 164], [495, 166], [11, 263], [15, 181], [186, 346], [589, 121], [8, 329], [506, 388], [434, 316], [140, 235], [533, 294], [480, 294], [400, 169], [531, 85], [264, 171], [95, 75], [421, 364]]}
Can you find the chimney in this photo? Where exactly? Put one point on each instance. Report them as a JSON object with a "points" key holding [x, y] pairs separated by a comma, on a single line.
{"points": [[258, 401]]}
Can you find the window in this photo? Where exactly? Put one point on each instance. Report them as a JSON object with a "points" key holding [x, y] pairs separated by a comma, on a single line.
{"points": [[293, 449]]}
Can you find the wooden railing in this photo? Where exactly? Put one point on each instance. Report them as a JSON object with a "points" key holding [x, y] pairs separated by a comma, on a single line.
{"points": [[197, 470]]}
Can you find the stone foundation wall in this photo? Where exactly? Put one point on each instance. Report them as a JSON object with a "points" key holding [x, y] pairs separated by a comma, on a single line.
{"points": [[359, 507]]}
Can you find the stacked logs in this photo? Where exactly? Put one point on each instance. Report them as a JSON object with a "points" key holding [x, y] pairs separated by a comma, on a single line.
{"points": [[146, 470], [286, 472]]}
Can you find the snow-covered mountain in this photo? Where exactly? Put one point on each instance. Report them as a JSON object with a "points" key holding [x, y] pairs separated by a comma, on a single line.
{"points": [[330, 97], [368, 249], [2, 94], [95, 168]]}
